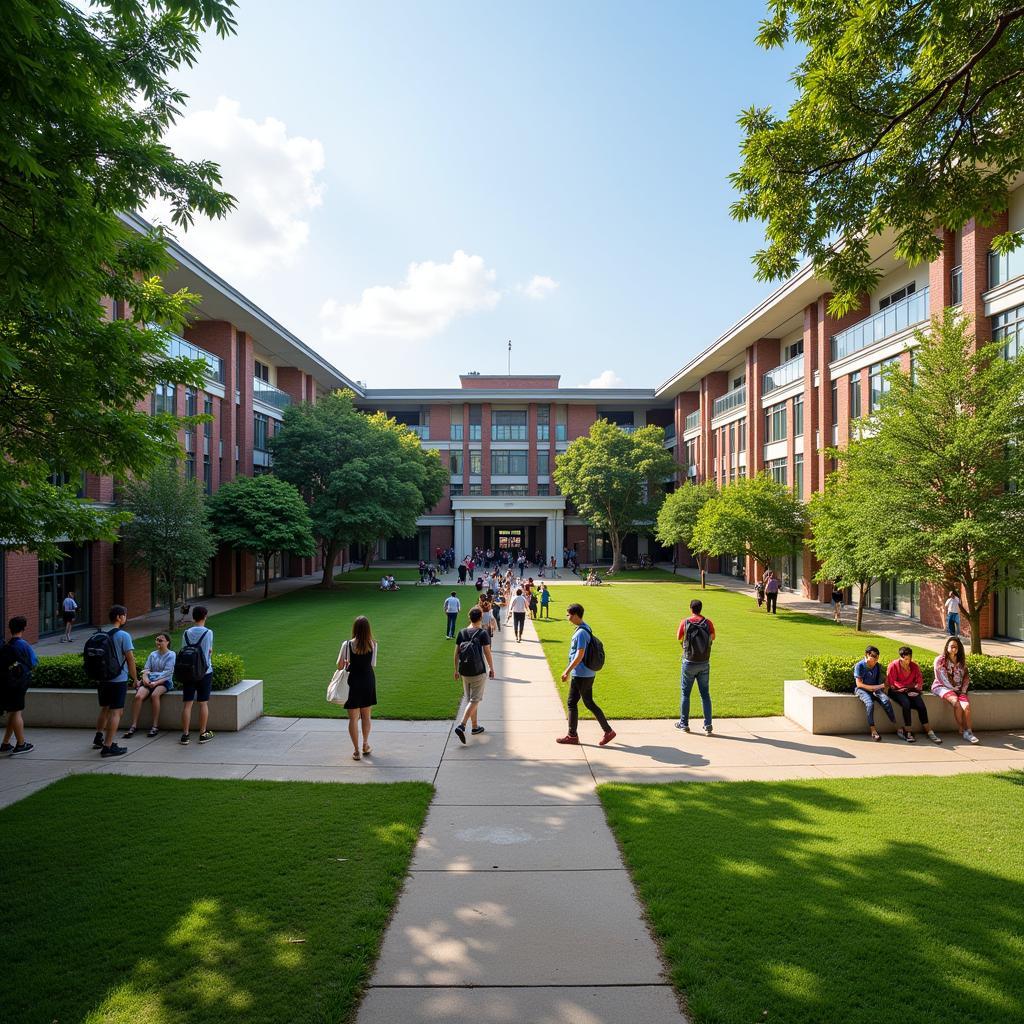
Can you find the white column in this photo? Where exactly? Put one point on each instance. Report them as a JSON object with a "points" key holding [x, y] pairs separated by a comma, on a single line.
{"points": [[463, 535], [551, 538]]}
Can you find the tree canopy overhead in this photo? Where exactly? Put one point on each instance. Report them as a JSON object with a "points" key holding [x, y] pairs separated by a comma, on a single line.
{"points": [[908, 116], [87, 97]]}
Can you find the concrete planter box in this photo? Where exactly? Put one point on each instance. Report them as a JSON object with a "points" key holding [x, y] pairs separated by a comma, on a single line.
{"points": [[836, 714], [230, 710]]}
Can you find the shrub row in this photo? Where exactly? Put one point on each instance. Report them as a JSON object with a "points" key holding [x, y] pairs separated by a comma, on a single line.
{"points": [[835, 674], [66, 671]]}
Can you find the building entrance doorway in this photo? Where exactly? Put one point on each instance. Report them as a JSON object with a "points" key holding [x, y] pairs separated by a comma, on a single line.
{"points": [[510, 539]]}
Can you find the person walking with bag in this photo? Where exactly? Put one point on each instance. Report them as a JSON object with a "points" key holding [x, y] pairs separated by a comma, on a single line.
{"points": [[771, 592], [359, 657], [474, 664], [17, 659], [696, 634], [581, 687], [193, 669], [452, 607]]}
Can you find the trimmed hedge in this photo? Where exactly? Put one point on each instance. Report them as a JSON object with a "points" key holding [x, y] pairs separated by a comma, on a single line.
{"points": [[834, 674], [66, 671]]}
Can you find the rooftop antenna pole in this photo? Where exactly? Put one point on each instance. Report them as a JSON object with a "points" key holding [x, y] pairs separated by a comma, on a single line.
{"points": [[510, 357]]}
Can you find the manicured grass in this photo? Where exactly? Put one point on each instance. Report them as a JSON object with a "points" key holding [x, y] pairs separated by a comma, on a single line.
{"points": [[292, 644], [874, 901], [403, 574], [162, 901], [753, 655], [634, 575]]}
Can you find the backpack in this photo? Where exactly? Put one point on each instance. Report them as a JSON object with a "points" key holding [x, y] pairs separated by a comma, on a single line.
{"points": [[697, 641], [15, 668], [102, 663], [593, 655], [471, 656], [190, 664]]}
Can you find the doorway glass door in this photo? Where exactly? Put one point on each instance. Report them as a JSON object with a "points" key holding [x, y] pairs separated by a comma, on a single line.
{"points": [[510, 539]]}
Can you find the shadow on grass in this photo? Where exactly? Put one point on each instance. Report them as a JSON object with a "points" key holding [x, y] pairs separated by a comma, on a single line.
{"points": [[870, 902]]}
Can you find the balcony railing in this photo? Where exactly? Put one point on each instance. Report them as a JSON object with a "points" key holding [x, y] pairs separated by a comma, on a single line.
{"points": [[269, 395], [693, 420], [886, 322], [786, 373], [1004, 268], [179, 348], [670, 431], [730, 400], [421, 430]]}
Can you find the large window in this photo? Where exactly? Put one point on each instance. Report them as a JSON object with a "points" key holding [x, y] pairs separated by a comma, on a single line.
{"points": [[163, 399], [260, 431], [741, 435], [792, 350], [455, 433], [901, 293], [877, 383], [620, 417], [543, 422], [455, 490], [855, 402], [475, 463], [543, 463], [57, 580], [775, 423], [510, 490], [455, 461], [508, 425], [474, 422], [798, 477], [798, 416], [261, 371], [1008, 328], [777, 470], [207, 441], [508, 463]]}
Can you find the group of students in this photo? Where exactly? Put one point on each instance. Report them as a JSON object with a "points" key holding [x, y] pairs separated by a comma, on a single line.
{"points": [[109, 660]]}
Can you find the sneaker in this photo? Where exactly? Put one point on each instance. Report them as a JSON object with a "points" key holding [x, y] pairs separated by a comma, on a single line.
{"points": [[568, 739], [970, 737], [606, 738], [901, 733], [910, 737], [706, 729], [205, 737], [683, 725], [479, 729], [460, 731], [22, 748], [6, 748], [934, 737], [113, 751], [97, 741], [184, 739]]}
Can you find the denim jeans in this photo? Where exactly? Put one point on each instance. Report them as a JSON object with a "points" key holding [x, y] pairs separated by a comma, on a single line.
{"points": [[453, 618], [953, 623], [698, 672], [869, 697]]}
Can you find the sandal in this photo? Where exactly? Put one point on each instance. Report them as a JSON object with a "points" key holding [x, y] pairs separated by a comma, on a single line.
{"points": [[130, 733], [356, 756], [367, 751], [877, 737], [154, 731]]}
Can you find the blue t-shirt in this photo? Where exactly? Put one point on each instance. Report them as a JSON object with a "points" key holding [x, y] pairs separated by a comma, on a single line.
{"points": [[202, 636], [545, 597], [122, 644], [869, 676], [580, 639], [24, 649]]}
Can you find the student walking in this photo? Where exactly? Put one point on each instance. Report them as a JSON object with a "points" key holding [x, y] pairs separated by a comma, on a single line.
{"points": [[70, 611], [157, 679], [905, 683], [951, 683], [869, 685], [110, 660], [952, 610], [474, 664], [696, 634], [837, 603], [452, 605], [545, 601], [193, 668], [758, 591], [17, 659], [581, 686], [771, 592], [359, 655], [518, 607]]}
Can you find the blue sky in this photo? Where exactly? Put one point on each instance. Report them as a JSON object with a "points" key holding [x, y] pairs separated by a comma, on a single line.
{"points": [[419, 183]]}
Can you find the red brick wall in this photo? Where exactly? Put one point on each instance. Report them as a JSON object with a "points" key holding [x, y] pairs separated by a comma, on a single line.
{"points": [[102, 591], [579, 419], [441, 537], [762, 356], [485, 445], [483, 383], [577, 535], [217, 336], [21, 583], [977, 240], [939, 275], [531, 455]]}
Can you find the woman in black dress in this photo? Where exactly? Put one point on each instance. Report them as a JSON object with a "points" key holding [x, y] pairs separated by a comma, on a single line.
{"points": [[360, 655]]}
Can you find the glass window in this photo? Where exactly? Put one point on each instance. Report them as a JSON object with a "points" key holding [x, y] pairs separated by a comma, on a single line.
{"points": [[775, 423], [543, 490], [163, 399], [508, 425], [261, 430], [835, 404], [798, 477], [456, 433], [543, 463], [855, 403], [56, 579], [476, 489], [901, 293], [777, 470], [798, 416], [620, 417], [792, 350], [455, 461], [475, 413], [455, 490], [510, 490], [475, 463], [261, 371], [543, 422], [508, 463], [741, 435], [1008, 328], [877, 383]]}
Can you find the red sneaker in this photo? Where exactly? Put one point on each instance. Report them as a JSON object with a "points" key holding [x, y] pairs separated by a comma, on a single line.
{"points": [[607, 737], [568, 739]]}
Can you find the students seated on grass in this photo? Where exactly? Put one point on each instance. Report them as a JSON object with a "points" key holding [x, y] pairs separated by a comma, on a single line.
{"points": [[592, 580], [388, 583]]}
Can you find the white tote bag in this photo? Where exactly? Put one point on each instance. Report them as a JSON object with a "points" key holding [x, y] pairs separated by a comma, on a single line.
{"points": [[337, 689]]}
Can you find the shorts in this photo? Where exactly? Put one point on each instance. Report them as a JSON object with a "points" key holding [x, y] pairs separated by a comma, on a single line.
{"points": [[197, 691], [167, 684], [947, 693], [69, 617], [473, 688], [12, 698], [112, 695]]}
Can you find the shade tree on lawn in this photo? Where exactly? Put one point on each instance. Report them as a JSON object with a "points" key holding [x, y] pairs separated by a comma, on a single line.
{"points": [[262, 515], [615, 479], [677, 519]]}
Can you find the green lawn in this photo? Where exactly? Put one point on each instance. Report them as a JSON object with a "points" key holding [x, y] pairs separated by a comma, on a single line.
{"points": [[633, 575], [868, 901], [404, 574], [160, 901], [292, 643], [752, 656]]}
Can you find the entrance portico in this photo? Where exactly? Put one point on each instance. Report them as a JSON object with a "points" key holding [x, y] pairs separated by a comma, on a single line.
{"points": [[510, 519]]}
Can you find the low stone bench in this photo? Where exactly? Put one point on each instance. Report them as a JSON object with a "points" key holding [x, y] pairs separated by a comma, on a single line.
{"points": [[837, 714], [230, 710]]}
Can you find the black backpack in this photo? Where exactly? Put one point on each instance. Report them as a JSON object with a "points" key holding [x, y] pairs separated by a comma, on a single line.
{"points": [[593, 655], [471, 655], [102, 663], [190, 664], [15, 668], [697, 641]]}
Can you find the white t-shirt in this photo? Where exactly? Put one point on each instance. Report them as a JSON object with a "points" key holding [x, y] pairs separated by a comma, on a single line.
{"points": [[519, 603], [70, 604], [452, 605], [953, 606]]}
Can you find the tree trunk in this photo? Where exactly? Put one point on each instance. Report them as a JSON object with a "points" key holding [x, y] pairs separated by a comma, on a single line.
{"points": [[330, 551], [702, 565], [974, 618], [861, 589], [616, 551], [171, 606], [266, 574]]}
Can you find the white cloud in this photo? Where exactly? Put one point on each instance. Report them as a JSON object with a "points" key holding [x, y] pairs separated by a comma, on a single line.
{"points": [[539, 287], [607, 379], [427, 300], [272, 175]]}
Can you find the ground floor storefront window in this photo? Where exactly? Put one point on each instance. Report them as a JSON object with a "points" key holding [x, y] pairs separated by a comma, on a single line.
{"points": [[1010, 614], [57, 580], [892, 595], [274, 567]]}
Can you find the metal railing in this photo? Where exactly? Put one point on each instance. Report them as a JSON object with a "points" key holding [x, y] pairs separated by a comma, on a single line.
{"points": [[886, 322], [179, 348], [730, 400], [693, 420], [269, 395], [785, 373], [1004, 268], [670, 431]]}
